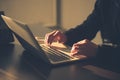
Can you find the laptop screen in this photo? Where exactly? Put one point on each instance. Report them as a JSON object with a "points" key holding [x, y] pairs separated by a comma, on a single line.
{"points": [[22, 32], [25, 37]]}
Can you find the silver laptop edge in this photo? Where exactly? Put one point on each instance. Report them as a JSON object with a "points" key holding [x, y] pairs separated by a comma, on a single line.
{"points": [[36, 48]]}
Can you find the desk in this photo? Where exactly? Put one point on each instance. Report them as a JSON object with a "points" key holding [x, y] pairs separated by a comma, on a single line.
{"points": [[17, 64]]}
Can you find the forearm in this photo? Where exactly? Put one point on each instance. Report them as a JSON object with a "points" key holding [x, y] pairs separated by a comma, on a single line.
{"points": [[88, 29]]}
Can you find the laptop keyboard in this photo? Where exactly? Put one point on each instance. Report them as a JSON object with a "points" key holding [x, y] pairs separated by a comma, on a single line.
{"points": [[54, 54]]}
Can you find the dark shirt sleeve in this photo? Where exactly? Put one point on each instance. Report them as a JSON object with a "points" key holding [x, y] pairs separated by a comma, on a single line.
{"points": [[109, 54], [86, 30]]}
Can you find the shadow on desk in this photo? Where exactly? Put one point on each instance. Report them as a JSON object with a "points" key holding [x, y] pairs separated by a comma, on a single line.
{"points": [[81, 70], [6, 55], [13, 65]]}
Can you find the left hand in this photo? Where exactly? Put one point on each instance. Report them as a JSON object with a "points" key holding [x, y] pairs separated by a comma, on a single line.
{"points": [[84, 48]]}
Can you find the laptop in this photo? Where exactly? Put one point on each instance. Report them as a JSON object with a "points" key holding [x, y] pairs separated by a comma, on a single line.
{"points": [[26, 38]]}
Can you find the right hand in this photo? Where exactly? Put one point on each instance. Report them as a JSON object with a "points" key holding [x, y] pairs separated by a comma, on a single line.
{"points": [[84, 48], [55, 36]]}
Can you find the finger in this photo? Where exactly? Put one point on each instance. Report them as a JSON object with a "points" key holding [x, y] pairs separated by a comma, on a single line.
{"points": [[56, 36], [80, 56], [49, 37], [55, 33], [76, 46], [82, 44], [59, 37], [74, 50], [83, 41]]}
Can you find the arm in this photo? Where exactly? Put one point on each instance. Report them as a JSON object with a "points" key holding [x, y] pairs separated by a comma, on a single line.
{"points": [[107, 54], [86, 30]]}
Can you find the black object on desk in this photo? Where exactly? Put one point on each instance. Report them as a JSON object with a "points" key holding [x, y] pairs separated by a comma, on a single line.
{"points": [[5, 33]]}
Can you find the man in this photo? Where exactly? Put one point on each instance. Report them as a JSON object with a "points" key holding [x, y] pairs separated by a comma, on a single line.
{"points": [[104, 18]]}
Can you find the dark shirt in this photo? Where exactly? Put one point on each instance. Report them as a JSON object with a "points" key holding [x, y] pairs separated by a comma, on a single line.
{"points": [[106, 19]]}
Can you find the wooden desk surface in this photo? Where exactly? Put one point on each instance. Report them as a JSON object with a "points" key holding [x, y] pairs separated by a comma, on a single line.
{"points": [[18, 64]]}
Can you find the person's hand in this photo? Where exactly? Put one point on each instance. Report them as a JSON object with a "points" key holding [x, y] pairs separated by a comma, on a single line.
{"points": [[84, 48], [55, 36]]}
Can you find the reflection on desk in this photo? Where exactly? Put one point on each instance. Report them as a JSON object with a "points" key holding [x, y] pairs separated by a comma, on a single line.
{"points": [[74, 71]]}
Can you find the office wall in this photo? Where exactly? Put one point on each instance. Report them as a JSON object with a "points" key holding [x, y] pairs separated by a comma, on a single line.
{"points": [[43, 12], [33, 12], [74, 12]]}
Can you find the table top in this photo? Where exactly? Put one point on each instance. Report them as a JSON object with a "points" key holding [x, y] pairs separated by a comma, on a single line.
{"points": [[18, 64]]}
